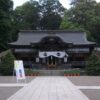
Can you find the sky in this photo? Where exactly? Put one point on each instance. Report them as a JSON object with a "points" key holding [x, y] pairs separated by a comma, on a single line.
{"points": [[65, 3]]}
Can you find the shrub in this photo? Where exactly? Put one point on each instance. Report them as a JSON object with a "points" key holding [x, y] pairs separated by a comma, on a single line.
{"points": [[30, 71], [93, 65], [7, 64], [73, 71]]}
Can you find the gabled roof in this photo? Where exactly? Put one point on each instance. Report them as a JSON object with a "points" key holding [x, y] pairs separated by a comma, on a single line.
{"points": [[30, 36]]}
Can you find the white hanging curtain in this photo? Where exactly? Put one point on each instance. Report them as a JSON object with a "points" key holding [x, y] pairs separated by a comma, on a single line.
{"points": [[43, 54], [58, 54]]}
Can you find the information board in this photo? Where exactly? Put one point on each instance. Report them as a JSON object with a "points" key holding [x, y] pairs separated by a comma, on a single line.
{"points": [[19, 69]]}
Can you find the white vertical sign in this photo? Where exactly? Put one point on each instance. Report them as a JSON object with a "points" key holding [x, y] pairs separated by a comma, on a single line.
{"points": [[19, 69]]}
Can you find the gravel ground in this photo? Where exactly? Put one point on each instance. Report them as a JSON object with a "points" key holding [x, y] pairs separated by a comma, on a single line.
{"points": [[88, 81], [11, 79], [6, 92], [92, 94], [85, 80]]}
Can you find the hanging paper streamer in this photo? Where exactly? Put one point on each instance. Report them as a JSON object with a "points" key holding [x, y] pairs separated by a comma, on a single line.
{"points": [[58, 54]]}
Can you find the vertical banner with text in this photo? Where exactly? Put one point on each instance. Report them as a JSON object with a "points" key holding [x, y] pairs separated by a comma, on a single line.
{"points": [[19, 69]]}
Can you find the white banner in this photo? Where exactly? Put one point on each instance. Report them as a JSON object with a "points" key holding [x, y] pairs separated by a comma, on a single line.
{"points": [[19, 69], [58, 54]]}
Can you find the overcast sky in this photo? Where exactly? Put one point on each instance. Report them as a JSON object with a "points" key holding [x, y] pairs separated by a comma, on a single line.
{"points": [[65, 3]]}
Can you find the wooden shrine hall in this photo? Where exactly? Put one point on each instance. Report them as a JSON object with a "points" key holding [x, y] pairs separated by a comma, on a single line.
{"points": [[57, 49]]}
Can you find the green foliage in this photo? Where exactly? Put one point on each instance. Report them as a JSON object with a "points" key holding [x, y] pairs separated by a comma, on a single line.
{"points": [[51, 6], [84, 15], [30, 71], [51, 21], [67, 24], [51, 11], [93, 65], [94, 28], [80, 12], [5, 23], [7, 64], [43, 14], [27, 16], [73, 71]]}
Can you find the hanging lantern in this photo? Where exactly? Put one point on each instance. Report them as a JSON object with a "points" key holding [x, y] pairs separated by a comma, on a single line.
{"points": [[37, 59], [65, 59]]}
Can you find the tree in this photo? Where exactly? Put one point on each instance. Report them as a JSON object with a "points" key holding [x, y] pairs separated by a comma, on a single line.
{"points": [[6, 7], [51, 6], [75, 2], [82, 11], [94, 24], [42, 14], [27, 16], [51, 14], [7, 64], [51, 21], [85, 13], [67, 24], [93, 65]]}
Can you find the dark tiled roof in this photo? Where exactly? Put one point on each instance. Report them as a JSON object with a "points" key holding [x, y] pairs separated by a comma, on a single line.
{"points": [[27, 37]]}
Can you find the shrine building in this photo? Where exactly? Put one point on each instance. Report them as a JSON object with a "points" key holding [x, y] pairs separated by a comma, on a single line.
{"points": [[52, 49]]}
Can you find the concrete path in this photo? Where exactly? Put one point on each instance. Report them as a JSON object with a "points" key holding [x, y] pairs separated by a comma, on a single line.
{"points": [[49, 88]]}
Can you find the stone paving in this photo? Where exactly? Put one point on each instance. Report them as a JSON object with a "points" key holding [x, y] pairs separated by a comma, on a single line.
{"points": [[89, 85], [49, 88]]}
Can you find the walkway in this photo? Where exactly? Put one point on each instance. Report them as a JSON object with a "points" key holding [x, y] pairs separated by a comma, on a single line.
{"points": [[12, 85], [49, 88]]}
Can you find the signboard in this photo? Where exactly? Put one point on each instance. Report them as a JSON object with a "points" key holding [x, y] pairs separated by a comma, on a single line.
{"points": [[19, 69]]}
